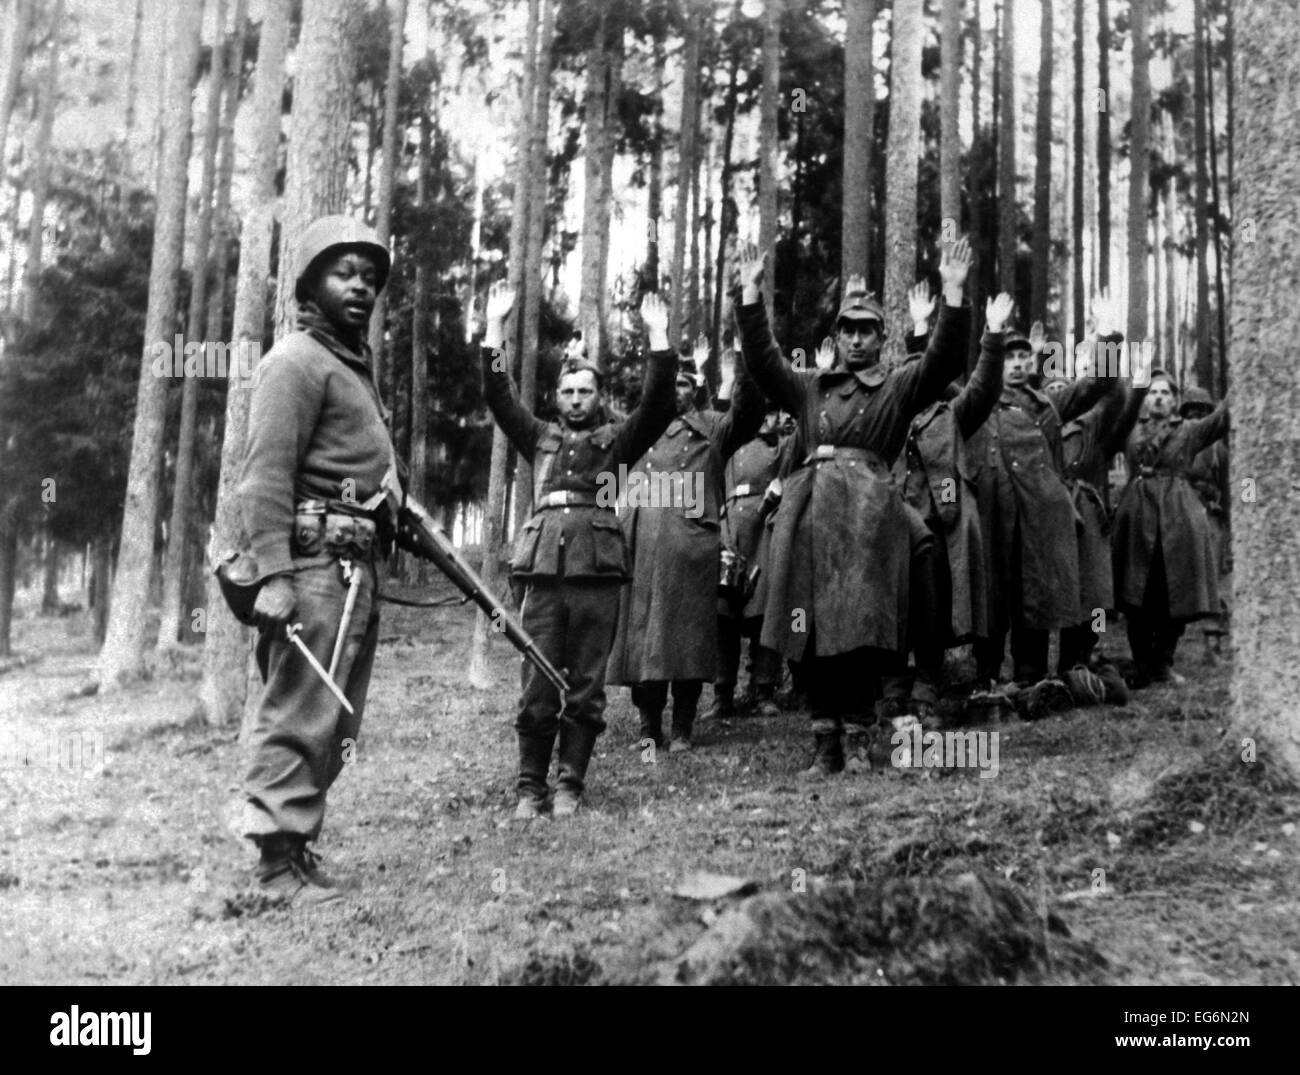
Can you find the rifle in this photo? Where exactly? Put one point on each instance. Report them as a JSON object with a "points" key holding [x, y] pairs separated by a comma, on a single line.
{"points": [[418, 533]]}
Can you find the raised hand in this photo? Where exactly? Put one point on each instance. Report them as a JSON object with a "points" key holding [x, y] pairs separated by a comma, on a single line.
{"points": [[1037, 338], [753, 266], [700, 355], [825, 356], [726, 373], [998, 312], [654, 315], [920, 305], [1105, 313], [500, 301], [954, 264]]}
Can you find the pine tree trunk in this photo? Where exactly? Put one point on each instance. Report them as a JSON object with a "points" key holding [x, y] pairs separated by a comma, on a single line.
{"points": [[1007, 216], [686, 168], [1077, 179], [859, 102], [122, 657], [224, 687], [901, 153], [949, 112], [1103, 146], [1139, 171], [320, 134], [133, 77], [50, 587], [600, 106], [173, 575], [419, 352], [768, 148], [1216, 211], [1041, 241], [975, 281], [219, 253], [1266, 389], [655, 194], [1204, 359], [15, 51], [727, 222], [8, 573], [494, 522], [41, 169], [533, 251], [387, 169]]}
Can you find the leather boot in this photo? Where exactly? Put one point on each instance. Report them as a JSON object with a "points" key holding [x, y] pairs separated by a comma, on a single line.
{"points": [[857, 748], [683, 725], [288, 869], [765, 701], [652, 727], [828, 755], [576, 744], [534, 762], [724, 703]]}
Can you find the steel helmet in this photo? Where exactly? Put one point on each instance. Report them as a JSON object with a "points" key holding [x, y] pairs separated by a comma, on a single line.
{"points": [[330, 232]]}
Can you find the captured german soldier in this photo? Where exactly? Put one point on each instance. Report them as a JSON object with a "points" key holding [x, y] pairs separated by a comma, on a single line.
{"points": [[311, 497], [571, 554]]}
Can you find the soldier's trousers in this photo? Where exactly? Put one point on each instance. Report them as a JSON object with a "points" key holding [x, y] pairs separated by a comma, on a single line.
{"points": [[572, 622], [764, 663], [300, 737], [929, 619], [1152, 633], [842, 688]]}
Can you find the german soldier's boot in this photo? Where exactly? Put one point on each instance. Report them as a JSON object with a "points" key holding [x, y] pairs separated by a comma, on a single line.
{"points": [[683, 726], [828, 755], [534, 761], [857, 748], [576, 744], [652, 726], [287, 869], [724, 703]]}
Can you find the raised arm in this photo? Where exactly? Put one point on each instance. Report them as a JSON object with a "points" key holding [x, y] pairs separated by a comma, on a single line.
{"points": [[759, 352], [1202, 432], [741, 422], [945, 355], [975, 402], [516, 421], [653, 414]]}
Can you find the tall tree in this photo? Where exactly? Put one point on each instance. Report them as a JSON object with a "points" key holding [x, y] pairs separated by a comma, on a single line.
{"points": [[224, 688], [1266, 388], [388, 168], [133, 75], [41, 167], [600, 120], [316, 171], [1007, 215], [686, 166], [1139, 173], [219, 256], [173, 568], [859, 117], [1041, 241], [419, 453], [122, 656], [494, 520], [15, 51], [901, 153], [532, 298], [769, 104], [949, 111], [1103, 146], [1076, 179], [976, 195], [1216, 213], [1204, 358], [727, 222]]}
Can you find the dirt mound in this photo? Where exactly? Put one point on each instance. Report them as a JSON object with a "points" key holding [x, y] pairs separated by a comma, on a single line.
{"points": [[971, 929], [555, 968], [1218, 791]]}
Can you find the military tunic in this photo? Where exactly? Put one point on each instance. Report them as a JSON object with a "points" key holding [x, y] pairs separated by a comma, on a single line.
{"points": [[841, 543], [749, 472]]}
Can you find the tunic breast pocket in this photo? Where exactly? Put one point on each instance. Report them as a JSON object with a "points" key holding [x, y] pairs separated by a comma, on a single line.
{"points": [[525, 550], [609, 549]]}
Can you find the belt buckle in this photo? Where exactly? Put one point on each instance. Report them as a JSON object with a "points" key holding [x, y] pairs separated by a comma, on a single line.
{"points": [[741, 490], [824, 451]]}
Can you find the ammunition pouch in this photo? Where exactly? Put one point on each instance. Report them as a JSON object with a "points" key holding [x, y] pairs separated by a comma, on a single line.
{"points": [[237, 576], [320, 529]]}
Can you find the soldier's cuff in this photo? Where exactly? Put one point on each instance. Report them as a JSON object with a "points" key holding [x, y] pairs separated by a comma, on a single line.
{"points": [[273, 556]]}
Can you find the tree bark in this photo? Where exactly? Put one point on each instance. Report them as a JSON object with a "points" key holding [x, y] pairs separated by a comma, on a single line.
{"points": [[316, 173], [686, 168], [901, 153], [655, 194], [727, 222], [494, 522], [173, 574], [387, 169], [768, 148], [949, 140], [41, 170], [1139, 172], [1041, 242], [975, 281], [1103, 146], [122, 657], [8, 573], [1077, 179], [15, 53], [219, 254], [532, 271], [1216, 209], [419, 351], [1204, 359], [1266, 389], [1007, 217], [859, 115], [224, 688], [50, 587]]}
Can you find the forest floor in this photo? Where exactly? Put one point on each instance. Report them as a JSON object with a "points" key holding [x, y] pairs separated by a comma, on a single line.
{"points": [[1137, 839]]}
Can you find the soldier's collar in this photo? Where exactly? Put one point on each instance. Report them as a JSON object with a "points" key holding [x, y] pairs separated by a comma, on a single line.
{"points": [[871, 377], [692, 419]]}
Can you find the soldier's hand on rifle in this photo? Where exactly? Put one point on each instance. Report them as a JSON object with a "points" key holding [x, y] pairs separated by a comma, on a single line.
{"points": [[825, 356], [500, 301], [920, 305], [954, 264], [753, 266], [1037, 338], [654, 315], [275, 602], [998, 312], [1105, 313]]}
